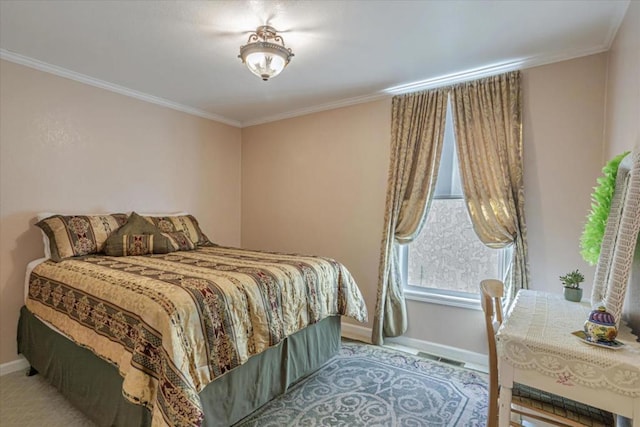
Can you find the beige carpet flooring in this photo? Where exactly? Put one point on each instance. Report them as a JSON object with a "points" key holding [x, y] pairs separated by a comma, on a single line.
{"points": [[32, 402]]}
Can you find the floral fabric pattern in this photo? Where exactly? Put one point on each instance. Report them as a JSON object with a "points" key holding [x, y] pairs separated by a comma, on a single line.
{"points": [[137, 244], [417, 127], [488, 127]]}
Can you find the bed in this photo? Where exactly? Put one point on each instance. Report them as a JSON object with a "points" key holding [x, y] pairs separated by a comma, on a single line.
{"points": [[184, 338]]}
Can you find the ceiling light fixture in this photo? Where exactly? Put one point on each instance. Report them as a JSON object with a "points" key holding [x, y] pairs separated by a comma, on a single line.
{"points": [[265, 54]]}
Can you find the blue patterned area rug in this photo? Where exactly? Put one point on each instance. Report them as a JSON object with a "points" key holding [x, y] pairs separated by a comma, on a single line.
{"points": [[367, 385]]}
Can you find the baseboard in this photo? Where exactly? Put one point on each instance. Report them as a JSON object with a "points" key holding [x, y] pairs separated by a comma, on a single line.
{"points": [[13, 366], [355, 332], [444, 351], [362, 333]]}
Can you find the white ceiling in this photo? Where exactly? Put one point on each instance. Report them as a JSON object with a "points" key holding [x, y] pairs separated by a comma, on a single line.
{"points": [[183, 54]]}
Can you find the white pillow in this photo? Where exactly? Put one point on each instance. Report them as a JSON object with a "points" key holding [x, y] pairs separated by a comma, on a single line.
{"points": [[45, 239]]}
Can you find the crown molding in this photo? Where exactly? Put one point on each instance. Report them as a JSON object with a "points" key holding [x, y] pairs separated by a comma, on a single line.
{"points": [[83, 78], [440, 81], [458, 77], [503, 67]]}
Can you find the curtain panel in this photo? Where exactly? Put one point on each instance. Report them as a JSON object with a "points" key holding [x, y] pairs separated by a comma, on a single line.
{"points": [[417, 132], [487, 116]]}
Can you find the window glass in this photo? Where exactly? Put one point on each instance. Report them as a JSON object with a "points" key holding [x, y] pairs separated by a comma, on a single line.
{"points": [[448, 183], [447, 256]]}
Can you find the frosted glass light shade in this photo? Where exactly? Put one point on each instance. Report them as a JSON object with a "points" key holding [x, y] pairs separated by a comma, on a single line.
{"points": [[265, 65], [265, 53]]}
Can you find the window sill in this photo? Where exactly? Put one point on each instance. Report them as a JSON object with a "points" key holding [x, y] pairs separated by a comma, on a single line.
{"points": [[450, 300]]}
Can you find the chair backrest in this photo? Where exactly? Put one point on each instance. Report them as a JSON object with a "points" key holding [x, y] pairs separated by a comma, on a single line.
{"points": [[491, 293], [619, 240]]}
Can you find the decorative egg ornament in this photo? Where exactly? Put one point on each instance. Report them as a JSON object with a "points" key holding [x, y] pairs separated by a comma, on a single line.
{"points": [[601, 326]]}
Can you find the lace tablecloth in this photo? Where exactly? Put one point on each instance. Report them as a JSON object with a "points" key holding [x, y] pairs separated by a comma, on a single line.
{"points": [[537, 336]]}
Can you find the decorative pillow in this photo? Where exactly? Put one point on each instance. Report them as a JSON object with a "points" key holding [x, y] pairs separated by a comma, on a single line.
{"points": [[77, 235], [130, 238], [181, 241], [137, 244], [185, 223]]}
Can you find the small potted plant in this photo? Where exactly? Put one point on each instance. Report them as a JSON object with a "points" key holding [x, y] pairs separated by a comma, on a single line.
{"points": [[572, 289]]}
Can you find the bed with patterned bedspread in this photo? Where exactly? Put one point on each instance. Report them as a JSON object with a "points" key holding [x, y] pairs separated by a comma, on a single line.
{"points": [[172, 323]]}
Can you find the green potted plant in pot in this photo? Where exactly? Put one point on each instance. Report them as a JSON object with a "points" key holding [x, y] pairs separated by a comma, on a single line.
{"points": [[572, 289]]}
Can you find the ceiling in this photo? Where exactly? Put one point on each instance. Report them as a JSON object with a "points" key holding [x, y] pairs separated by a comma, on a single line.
{"points": [[183, 54]]}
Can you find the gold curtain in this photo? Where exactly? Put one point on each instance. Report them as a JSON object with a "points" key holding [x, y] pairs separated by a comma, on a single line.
{"points": [[417, 131], [487, 117]]}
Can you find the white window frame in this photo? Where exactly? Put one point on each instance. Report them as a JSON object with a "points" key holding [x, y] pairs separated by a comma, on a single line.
{"points": [[445, 296], [452, 190]]}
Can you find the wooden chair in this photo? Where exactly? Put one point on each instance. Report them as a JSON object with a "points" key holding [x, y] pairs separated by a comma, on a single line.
{"points": [[526, 401]]}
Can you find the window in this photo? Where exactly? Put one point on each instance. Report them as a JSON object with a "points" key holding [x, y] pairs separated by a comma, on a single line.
{"points": [[447, 261]]}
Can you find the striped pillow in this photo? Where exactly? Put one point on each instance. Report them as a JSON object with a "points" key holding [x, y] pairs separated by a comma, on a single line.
{"points": [[78, 235], [184, 223], [180, 241], [144, 244]]}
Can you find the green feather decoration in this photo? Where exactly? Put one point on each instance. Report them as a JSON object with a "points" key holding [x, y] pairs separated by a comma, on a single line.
{"points": [[591, 239]]}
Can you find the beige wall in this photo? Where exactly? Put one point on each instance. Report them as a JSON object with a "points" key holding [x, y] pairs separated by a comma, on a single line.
{"points": [[623, 86], [316, 184], [563, 128], [69, 147]]}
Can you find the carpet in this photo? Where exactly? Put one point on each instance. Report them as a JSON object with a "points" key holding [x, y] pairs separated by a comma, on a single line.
{"points": [[368, 386]]}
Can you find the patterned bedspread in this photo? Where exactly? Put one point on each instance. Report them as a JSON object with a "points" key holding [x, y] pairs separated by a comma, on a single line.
{"points": [[173, 323]]}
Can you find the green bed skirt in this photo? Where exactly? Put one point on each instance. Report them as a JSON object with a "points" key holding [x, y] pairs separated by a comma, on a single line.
{"points": [[95, 386]]}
